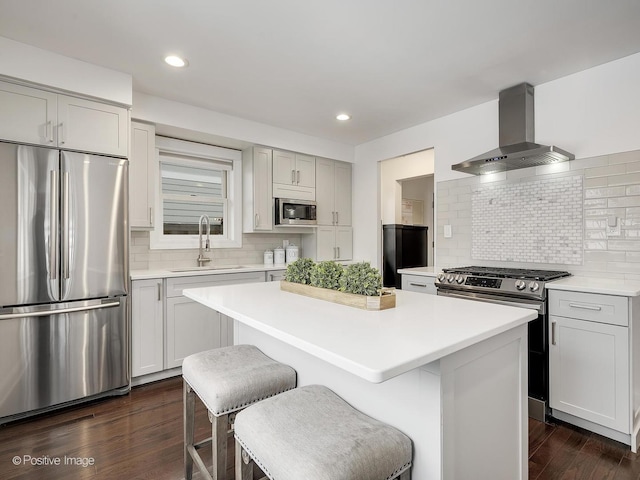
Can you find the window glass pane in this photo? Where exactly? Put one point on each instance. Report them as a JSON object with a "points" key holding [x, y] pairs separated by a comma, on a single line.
{"points": [[187, 193]]}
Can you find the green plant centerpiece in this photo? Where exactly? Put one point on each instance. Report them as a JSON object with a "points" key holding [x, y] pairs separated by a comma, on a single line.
{"points": [[300, 271], [326, 274], [361, 279], [358, 285]]}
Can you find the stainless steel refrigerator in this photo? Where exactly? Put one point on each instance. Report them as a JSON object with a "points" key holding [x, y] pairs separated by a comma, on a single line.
{"points": [[63, 278]]}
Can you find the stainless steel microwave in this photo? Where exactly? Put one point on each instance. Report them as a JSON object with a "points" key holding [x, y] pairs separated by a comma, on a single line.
{"points": [[295, 212]]}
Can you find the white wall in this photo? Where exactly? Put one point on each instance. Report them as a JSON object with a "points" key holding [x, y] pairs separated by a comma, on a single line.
{"points": [[159, 110], [24, 62], [394, 170], [589, 113]]}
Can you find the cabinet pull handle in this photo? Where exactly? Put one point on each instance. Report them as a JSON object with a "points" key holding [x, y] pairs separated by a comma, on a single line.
{"points": [[338, 252], [595, 308], [337, 218], [151, 216], [553, 333], [297, 177], [334, 253], [293, 176], [159, 291], [49, 132], [61, 133], [257, 220], [423, 285]]}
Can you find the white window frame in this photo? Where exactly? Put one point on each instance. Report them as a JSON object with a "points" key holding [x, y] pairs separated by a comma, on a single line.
{"points": [[200, 152]]}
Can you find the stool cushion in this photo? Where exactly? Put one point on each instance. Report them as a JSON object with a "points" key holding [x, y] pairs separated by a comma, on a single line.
{"points": [[230, 378], [311, 433]]}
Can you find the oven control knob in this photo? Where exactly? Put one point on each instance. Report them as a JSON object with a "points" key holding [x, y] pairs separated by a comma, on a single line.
{"points": [[459, 279], [520, 284], [441, 277], [534, 286], [450, 278]]}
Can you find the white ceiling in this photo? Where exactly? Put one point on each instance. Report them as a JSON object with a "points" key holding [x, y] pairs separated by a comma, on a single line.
{"points": [[295, 64]]}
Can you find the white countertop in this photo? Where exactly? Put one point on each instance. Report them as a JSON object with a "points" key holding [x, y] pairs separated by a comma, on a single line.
{"points": [[190, 271], [374, 345], [424, 271], [607, 286]]}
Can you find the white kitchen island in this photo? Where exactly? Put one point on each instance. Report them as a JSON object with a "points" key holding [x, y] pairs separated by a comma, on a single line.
{"points": [[450, 373]]}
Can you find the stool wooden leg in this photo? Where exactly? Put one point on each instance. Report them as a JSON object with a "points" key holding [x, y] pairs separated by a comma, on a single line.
{"points": [[219, 435], [244, 464], [189, 405]]}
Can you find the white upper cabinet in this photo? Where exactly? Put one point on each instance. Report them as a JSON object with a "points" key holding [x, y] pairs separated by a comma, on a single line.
{"points": [[257, 190], [27, 115], [333, 192], [91, 126], [294, 175], [30, 115], [141, 178]]}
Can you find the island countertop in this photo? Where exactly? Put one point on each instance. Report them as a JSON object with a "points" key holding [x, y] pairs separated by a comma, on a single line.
{"points": [[374, 345]]}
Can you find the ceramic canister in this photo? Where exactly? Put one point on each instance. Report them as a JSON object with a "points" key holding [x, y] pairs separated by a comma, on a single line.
{"points": [[292, 253], [268, 257], [278, 256]]}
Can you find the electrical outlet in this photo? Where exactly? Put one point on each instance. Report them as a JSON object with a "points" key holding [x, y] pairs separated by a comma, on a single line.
{"points": [[447, 231], [285, 243], [613, 226], [613, 231]]}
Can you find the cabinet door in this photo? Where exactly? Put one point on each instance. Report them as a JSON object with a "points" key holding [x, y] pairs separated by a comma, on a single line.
{"points": [[326, 243], [305, 171], [191, 328], [589, 371], [343, 193], [27, 115], [262, 190], [284, 167], [325, 195], [146, 327], [141, 182], [274, 275], [344, 243], [91, 126]]}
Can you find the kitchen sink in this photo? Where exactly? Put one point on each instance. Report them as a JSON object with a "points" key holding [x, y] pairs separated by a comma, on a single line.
{"points": [[206, 268]]}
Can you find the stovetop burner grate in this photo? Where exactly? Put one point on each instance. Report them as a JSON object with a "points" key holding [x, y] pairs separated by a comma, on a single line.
{"points": [[498, 272]]}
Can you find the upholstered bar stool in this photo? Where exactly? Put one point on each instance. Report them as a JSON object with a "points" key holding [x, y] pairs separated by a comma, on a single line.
{"points": [[311, 433], [226, 380]]}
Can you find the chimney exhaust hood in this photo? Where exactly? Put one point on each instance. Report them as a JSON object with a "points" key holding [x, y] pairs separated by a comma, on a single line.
{"points": [[516, 138]]}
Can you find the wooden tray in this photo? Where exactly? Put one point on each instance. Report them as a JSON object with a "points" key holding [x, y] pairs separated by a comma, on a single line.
{"points": [[380, 302]]}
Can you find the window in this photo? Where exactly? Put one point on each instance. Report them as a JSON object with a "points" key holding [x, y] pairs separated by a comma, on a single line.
{"points": [[195, 180]]}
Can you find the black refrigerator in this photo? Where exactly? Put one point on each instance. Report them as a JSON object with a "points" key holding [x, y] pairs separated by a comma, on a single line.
{"points": [[403, 246]]}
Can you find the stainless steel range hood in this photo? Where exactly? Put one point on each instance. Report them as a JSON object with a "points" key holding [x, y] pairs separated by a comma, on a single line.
{"points": [[516, 138]]}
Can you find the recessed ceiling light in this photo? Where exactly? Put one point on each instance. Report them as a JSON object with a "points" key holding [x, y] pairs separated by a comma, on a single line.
{"points": [[342, 117], [175, 61]]}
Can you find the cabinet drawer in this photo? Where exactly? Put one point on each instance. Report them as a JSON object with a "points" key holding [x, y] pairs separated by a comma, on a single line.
{"points": [[419, 283], [610, 309], [177, 284]]}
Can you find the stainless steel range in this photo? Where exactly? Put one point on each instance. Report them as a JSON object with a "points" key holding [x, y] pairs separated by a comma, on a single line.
{"points": [[519, 288]]}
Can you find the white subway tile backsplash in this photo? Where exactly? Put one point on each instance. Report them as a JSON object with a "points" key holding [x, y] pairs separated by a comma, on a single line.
{"points": [[610, 184], [537, 221]]}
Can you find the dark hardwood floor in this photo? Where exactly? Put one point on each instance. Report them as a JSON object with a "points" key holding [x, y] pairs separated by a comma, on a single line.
{"points": [[139, 436]]}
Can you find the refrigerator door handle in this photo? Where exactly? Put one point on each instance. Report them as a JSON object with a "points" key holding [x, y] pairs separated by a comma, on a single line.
{"points": [[44, 313], [65, 226], [53, 222]]}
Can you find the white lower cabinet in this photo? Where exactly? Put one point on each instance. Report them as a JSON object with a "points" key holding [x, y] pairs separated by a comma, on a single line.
{"points": [[167, 328], [147, 327], [590, 358], [274, 275], [589, 373], [419, 283]]}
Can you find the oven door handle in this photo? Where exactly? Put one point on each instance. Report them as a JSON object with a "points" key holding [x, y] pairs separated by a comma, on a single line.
{"points": [[538, 307]]}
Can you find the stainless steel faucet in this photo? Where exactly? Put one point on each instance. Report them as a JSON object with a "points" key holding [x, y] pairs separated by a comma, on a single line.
{"points": [[201, 258]]}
